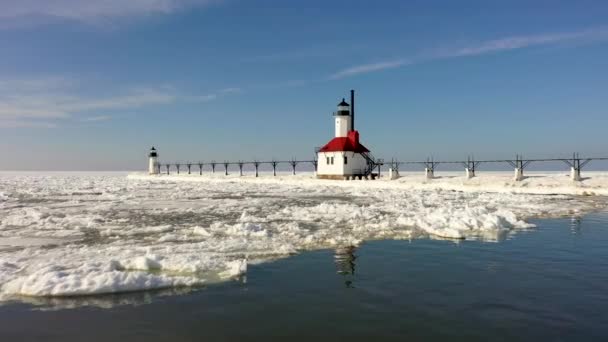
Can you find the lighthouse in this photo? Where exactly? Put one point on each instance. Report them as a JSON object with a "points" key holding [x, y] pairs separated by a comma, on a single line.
{"points": [[344, 157], [343, 119], [153, 167]]}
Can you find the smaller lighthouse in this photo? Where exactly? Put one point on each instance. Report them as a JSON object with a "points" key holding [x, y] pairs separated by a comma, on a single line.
{"points": [[153, 167]]}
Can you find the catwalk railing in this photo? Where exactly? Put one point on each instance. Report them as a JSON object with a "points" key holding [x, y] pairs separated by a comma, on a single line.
{"points": [[225, 165], [576, 164]]}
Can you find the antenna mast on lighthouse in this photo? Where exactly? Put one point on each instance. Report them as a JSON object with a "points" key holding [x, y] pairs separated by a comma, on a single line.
{"points": [[352, 110]]}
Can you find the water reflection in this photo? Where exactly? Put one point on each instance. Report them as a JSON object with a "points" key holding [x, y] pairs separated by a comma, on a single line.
{"points": [[575, 225], [110, 300], [344, 258], [106, 301]]}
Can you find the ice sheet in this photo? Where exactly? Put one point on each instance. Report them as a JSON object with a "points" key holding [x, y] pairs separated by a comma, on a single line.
{"points": [[78, 234]]}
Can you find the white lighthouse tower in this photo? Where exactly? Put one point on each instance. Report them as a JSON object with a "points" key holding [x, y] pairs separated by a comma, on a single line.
{"points": [[153, 167], [343, 119], [344, 157]]}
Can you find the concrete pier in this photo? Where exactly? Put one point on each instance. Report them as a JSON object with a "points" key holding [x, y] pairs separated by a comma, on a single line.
{"points": [[576, 164], [575, 174], [469, 173], [393, 174], [519, 174]]}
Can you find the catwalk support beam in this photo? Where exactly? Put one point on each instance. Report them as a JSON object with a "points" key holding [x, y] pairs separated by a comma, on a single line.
{"points": [[274, 167], [429, 170], [293, 164], [470, 167], [519, 164], [256, 164], [393, 171], [576, 165]]}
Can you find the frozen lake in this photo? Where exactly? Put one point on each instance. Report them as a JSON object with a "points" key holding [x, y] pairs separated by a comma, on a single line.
{"points": [[129, 257]]}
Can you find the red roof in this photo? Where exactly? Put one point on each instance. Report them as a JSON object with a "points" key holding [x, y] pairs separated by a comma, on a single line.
{"points": [[349, 143]]}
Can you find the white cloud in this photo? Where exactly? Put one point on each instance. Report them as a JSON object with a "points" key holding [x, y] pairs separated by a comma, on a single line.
{"points": [[135, 99], [231, 90], [491, 46], [96, 118], [36, 84], [25, 124], [24, 12], [212, 96], [52, 105], [202, 98], [367, 68], [33, 103], [520, 42], [12, 110]]}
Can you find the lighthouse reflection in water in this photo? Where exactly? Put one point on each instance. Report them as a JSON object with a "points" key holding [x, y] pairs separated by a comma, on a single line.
{"points": [[344, 258]]}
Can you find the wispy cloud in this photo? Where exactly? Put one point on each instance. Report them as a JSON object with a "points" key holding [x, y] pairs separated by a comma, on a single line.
{"points": [[520, 42], [96, 118], [230, 90], [32, 12], [43, 83], [52, 105], [487, 47], [212, 96], [367, 68], [40, 103], [202, 98], [25, 124]]}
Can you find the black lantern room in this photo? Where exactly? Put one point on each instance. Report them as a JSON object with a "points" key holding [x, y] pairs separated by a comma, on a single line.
{"points": [[343, 108], [153, 152]]}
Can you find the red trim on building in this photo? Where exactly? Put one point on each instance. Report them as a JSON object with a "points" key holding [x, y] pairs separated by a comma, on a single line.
{"points": [[347, 144]]}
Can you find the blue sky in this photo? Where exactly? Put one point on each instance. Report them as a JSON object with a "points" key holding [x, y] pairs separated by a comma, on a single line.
{"points": [[91, 85]]}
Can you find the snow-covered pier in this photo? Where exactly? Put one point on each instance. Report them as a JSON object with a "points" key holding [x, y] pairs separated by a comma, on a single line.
{"points": [[470, 165]]}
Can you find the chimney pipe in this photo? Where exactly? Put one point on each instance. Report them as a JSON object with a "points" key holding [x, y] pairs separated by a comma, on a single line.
{"points": [[352, 110]]}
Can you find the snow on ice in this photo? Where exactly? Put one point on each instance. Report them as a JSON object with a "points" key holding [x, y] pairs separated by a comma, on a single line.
{"points": [[69, 234]]}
